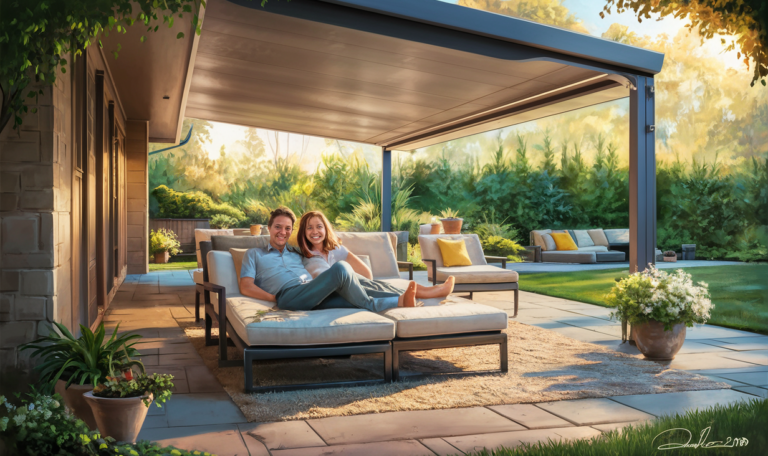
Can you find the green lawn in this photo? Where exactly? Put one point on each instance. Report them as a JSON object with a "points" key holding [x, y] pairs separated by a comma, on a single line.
{"points": [[740, 293], [173, 266]]}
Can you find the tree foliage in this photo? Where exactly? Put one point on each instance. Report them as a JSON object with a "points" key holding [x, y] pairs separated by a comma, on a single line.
{"points": [[37, 36], [745, 20]]}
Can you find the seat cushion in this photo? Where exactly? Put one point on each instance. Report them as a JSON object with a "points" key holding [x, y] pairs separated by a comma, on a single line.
{"points": [[313, 327], [454, 252], [594, 248], [456, 316], [477, 274]]}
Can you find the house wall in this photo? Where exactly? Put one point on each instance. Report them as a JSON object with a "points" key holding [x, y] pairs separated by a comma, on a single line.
{"points": [[60, 259]]}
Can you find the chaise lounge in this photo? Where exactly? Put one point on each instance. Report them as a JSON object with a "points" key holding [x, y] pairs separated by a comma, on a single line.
{"points": [[453, 322]]}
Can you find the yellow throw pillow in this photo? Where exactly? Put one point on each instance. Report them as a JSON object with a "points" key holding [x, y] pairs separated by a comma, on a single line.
{"points": [[564, 241], [237, 257], [454, 252]]}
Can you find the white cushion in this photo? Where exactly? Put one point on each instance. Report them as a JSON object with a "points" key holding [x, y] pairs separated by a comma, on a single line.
{"points": [[430, 249], [197, 276], [537, 239], [454, 317], [617, 236], [594, 248], [583, 239], [378, 248], [477, 274], [312, 327]]}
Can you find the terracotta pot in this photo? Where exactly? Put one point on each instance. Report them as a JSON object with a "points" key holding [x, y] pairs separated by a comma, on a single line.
{"points": [[452, 226], [255, 230], [119, 418], [657, 344], [670, 259], [435, 228], [162, 257], [74, 400]]}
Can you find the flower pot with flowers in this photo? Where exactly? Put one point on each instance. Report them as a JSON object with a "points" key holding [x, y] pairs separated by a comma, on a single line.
{"points": [[670, 256], [451, 222], [72, 366], [162, 244], [659, 306], [121, 403]]}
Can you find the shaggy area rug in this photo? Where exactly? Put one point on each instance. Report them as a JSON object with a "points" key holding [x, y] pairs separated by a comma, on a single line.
{"points": [[543, 366]]}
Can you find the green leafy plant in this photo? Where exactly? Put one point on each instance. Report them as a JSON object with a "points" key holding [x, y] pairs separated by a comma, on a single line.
{"points": [[142, 385], [39, 35], [414, 256], [498, 246], [449, 213], [163, 240], [655, 295], [87, 359], [221, 221], [197, 205]]}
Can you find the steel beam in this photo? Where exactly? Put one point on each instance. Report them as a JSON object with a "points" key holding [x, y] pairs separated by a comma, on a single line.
{"points": [[386, 189], [642, 176]]}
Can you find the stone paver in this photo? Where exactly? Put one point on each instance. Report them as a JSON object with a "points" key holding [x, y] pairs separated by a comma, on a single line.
{"points": [[671, 403], [223, 440], [202, 410], [282, 435], [695, 361], [530, 416], [613, 426], [754, 356], [585, 412], [750, 378], [440, 447], [470, 443], [410, 425], [400, 448], [753, 390]]}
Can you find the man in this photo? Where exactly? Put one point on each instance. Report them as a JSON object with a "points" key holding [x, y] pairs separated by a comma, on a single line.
{"points": [[276, 274]]}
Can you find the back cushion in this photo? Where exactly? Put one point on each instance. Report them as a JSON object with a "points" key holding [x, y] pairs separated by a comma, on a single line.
{"points": [[548, 243], [202, 235], [237, 259], [538, 240], [221, 271], [239, 242], [378, 247], [617, 236], [582, 238], [598, 237], [430, 250]]}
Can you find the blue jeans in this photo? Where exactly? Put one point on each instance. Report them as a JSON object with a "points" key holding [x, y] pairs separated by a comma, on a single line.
{"points": [[338, 287]]}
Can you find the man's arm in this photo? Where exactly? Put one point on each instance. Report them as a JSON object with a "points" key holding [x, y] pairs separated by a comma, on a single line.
{"points": [[247, 275], [248, 288]]}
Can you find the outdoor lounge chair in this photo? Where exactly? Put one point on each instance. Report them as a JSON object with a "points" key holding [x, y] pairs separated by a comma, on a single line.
{"points": [[334, 332], [480, 276]]}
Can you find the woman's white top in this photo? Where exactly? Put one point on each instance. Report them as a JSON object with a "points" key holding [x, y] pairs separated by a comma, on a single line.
{"points": [[319, 263]]}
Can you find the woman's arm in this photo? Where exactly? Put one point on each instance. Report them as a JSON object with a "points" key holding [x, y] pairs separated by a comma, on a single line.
{"points": [[248, 288], [358, 266]]}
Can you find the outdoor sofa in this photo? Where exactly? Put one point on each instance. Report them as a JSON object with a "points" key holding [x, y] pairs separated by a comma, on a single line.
{"points": [[454, 322], [480, 276], [594, 246]]}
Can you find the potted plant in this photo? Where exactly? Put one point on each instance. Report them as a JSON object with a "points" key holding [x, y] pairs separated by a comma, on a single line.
{"points": [[255, 230], [435, 226], [72, 366], [120, 404], [162, 244], [451, 223], [670, 256], [659, 306]]}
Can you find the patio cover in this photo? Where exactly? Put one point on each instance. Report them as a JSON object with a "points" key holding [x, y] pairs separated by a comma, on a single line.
{"points": [[404, 74]]}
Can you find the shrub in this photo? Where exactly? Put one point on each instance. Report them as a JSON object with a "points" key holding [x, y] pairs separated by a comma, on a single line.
{"points": [[163, 240], [221, 221], [196, 205], [414, 256], [257, 213], [498, 246]]}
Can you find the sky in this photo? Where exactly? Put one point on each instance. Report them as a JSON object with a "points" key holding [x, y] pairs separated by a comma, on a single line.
{"points": [[586, 10]]}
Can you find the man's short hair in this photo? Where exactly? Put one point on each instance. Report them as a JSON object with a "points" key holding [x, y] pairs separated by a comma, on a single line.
{"points": [[281, 211]]}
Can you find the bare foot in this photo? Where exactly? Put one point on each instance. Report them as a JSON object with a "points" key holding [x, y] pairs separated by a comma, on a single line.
{"points": [[408, 299], [438, 291]]}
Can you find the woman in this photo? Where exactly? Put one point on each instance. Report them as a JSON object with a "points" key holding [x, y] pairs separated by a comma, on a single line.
{"points": [[321, 248]]}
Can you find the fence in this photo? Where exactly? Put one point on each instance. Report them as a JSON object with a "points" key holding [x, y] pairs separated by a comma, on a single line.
{"points": [[183, 228]]}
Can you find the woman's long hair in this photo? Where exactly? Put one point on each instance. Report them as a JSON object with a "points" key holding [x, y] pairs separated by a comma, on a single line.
{"points": [[330, 242]]}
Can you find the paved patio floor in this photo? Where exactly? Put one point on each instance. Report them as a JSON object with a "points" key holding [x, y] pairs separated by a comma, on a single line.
{"points": [[201, 416]]}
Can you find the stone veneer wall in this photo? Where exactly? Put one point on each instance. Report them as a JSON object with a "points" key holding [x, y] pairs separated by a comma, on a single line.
{"points": [[35, 223], [136, 151]]}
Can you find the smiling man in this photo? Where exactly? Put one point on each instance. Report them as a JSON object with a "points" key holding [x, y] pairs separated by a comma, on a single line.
{"points": [[276, 274]]}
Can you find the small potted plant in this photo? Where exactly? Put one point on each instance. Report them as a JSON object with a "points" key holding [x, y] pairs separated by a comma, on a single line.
{"points": [[120, 404], [162, 244], [451, 223], [72, 366], [670, 256], [659, 306], [435, 226]]}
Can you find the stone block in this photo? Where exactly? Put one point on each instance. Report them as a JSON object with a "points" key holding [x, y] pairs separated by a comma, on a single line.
{"points": [[11, 135], [52, 307], [9, 182], [20, 234], [8, 358], [39, 199], [47, 231], [37, 177], [63, 227], [9, 280], [36, 260], [16, 333], [21, 152], [30, 308], [8, 202], [47, 143], [37, 283], [6, 307]]}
